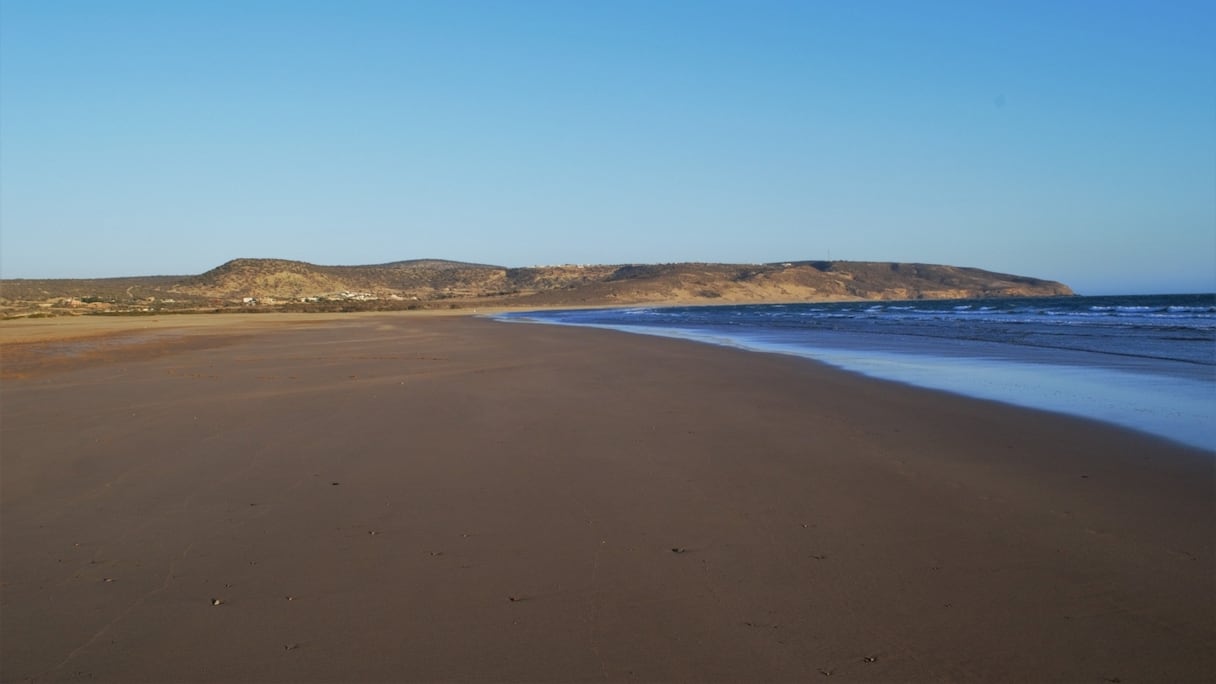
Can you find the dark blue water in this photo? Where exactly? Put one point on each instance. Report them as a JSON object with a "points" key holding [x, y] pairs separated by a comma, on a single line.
{"points": [[1144, 361]]}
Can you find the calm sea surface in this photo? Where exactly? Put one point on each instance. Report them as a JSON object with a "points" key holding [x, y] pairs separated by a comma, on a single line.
{"points": [[1147, 361]]}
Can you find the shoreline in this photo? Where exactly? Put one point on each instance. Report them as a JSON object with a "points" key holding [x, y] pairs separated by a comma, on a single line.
{"points": [[1132, 394], [35, 344], [449, 498]]}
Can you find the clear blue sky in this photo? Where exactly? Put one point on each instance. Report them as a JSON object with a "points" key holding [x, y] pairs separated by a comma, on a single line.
{"points": [[1072, 141]]}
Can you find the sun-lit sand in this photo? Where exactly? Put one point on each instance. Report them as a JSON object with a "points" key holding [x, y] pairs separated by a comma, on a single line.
{"points": [[436, 498]]}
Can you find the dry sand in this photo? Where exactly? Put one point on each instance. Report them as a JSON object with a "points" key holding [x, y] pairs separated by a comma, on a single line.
{"points": [[406, 498]]}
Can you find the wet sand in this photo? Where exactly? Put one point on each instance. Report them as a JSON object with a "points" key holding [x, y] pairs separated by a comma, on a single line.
{"points": [[408, 498]]}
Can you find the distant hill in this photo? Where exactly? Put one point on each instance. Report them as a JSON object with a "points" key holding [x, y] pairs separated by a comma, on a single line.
{"points": [[426, 283]]}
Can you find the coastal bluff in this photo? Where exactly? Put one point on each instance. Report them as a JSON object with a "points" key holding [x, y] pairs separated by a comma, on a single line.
{"points": [[438, 283]]}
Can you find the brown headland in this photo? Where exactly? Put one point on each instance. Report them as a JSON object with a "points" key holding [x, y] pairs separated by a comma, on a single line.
{"points": [[282, 285]]}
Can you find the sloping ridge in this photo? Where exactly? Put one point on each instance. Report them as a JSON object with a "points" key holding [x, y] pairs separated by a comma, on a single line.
{"points": [[796, 281], [261, 277]]}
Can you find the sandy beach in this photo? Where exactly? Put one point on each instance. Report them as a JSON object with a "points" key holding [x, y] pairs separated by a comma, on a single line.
{"points": [[404, 497]]}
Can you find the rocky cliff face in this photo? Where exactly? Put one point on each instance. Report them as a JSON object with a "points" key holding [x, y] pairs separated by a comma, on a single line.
{"points": [[278, 282]]}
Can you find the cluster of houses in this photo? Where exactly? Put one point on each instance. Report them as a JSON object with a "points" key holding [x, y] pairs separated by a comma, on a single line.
{"points": [[344, 295]]}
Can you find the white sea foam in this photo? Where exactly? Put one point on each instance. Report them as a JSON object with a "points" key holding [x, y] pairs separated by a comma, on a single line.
{"points": [[1191, 309]]}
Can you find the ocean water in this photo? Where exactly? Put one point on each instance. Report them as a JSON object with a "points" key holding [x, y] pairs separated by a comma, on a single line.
{"points": [[1147, 362]]}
